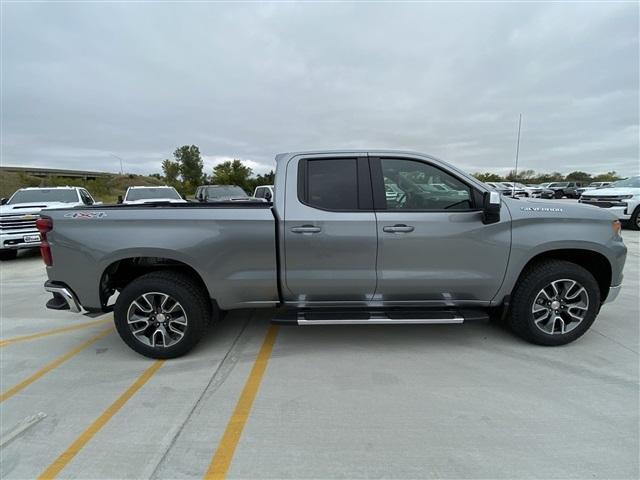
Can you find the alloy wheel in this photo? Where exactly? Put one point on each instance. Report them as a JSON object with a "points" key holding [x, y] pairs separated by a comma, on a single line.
{"points": [[157, 319], [560, 306]]}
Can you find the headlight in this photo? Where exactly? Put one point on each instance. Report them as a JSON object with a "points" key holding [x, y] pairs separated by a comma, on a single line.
{"points": [[624, 197]]}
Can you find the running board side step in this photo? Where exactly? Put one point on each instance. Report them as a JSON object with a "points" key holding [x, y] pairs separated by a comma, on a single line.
{"points": [[361, 317]]}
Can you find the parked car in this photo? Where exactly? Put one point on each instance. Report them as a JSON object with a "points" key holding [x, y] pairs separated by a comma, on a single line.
{"points": [[333, 249], [223, 193], [517, 189], [264, 191], [500, 188], [140, 195], [564, 189], [18, 215], [592, 185], [621, 198], [538, 191]]}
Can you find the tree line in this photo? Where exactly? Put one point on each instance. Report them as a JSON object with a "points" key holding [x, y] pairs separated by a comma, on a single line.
{"points": [[530, 176], [186, 171]]}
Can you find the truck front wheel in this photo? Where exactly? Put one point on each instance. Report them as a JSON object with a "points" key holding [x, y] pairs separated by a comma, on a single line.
{"points": [[634, 223], [554, 303], [162, 314]]}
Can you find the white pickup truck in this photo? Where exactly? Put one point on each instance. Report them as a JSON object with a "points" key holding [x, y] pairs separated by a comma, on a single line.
{"points": [[18, 215], [621, 198], [140, 195]]}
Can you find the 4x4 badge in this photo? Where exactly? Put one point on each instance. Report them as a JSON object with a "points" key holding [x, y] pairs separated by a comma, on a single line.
{"points": [[85, 215]]}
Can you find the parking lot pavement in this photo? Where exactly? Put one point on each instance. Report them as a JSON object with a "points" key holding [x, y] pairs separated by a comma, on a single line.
{"points": [[450, 401]]}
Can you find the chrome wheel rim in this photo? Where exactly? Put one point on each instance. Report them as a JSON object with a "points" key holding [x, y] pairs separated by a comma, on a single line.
{"points": [[157, 320], [560, 307]]}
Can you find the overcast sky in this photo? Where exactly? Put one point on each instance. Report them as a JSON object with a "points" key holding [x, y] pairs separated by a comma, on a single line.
{"points": [[84, 82]]}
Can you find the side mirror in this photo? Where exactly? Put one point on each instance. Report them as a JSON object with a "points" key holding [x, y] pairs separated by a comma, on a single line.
{"points": [[491, 207], [267, 195], [205, 198], [120, 199], [184, 197], [3, 201]]}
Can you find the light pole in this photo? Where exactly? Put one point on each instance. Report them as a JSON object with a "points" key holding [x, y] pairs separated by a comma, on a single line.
{"points": [[515, 173], [116, 156]]}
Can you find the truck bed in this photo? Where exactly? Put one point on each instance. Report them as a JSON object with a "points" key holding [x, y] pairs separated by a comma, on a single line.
{"points": [[231, 246]]}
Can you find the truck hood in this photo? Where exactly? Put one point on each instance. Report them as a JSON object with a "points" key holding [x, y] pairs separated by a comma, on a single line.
{"points": [[560, 210], [153, 200], [32, 208], [612, 192]]}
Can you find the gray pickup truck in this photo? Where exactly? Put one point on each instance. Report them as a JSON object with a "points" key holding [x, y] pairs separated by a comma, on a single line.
{"points": [[352, 237]]}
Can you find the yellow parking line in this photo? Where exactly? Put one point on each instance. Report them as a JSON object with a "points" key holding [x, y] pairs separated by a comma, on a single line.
{"points": [[55, 331], [58, 361], [226, 448], [59, 463]]}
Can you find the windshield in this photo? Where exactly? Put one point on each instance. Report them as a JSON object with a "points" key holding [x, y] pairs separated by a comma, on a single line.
{"points": [[65, 195], [151, 193], [632, 182], [225, 191], [559, 184]]}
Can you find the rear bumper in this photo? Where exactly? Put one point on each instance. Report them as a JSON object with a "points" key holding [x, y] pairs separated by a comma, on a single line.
{"points": [[66, 293]]}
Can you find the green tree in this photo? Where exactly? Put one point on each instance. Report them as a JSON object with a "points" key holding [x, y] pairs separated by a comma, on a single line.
{"points": [[607, 177], [191, 167], [488, 177], [171, 172], [548, 177], [233, 172], [578, 176], [523, 176]]}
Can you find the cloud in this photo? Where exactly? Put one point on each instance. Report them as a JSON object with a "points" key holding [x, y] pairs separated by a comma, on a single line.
{"points": [[84, 82]]}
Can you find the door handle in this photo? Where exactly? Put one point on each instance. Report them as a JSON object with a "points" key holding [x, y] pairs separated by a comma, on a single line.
{"points": [[306, 229], [399, 228]]}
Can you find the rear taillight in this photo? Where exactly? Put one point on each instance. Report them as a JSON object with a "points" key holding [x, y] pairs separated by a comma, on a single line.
{"points": [[45, 225]]}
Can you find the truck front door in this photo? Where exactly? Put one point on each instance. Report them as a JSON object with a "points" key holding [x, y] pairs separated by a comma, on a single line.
{"points": [[432, 245], [329, 231]]}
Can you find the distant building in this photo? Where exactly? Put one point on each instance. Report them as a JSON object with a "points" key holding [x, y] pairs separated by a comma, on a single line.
{"points": [[55, 172]]}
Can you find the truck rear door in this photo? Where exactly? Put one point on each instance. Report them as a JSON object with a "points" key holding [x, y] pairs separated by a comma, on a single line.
{"points": [[329, 230]]}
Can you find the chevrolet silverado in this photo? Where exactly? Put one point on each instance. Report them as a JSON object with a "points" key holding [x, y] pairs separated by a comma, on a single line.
{"points": [[335, 248]]}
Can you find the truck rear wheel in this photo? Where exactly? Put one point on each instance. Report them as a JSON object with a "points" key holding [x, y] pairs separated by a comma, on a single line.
{"points": [[554, 303], [162, 314]]}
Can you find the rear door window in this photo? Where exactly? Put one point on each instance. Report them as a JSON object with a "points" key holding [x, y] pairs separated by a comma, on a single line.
{"points": [[331, 184]]}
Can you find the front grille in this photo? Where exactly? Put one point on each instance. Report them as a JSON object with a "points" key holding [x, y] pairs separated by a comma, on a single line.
{"points": [[17, 223], [603, 202]]}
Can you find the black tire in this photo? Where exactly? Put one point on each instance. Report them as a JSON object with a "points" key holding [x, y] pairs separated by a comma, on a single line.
{"points": [[532, 281], [8, 254], [558, 194], [634, 222], [192, 298]]}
